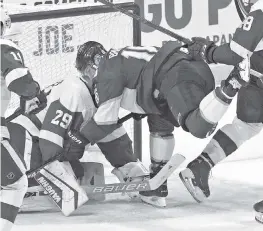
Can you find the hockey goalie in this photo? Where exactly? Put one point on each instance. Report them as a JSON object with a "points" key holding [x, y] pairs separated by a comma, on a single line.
{"points": [[46, 135]]}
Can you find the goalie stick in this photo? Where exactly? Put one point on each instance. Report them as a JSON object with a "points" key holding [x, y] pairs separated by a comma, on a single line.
{"points": [[146, 22], [145, 185]]}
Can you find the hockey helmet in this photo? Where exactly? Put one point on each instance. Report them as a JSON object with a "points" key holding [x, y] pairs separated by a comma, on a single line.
{"points": [[5, 21], [89, 55]]}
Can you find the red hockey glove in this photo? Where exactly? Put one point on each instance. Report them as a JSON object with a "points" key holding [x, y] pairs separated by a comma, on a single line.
{"points": [[35, 103]]}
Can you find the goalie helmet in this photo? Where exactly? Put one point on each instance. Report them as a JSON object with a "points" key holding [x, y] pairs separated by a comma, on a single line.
{"points": [[5, 21], [89, 55]]}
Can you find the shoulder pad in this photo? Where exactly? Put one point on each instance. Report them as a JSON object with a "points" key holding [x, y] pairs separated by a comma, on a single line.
{"points": [[9, 43]]}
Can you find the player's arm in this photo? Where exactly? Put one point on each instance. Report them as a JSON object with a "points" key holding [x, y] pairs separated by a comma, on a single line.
{"points": [[117, 148], [18, 78], [246, 40], [108, 91]]}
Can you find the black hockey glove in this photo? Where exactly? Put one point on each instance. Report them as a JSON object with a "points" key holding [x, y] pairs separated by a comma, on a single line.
{"points": [[202, 49], [75, 146], [34, 104]]}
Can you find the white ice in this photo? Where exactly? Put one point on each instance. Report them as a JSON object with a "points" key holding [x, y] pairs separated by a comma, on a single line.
{"points": [[236, 184]]}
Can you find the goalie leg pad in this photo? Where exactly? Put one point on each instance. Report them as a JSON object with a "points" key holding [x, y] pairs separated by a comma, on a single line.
{"points": [[93, 175], [133, 171], [60, 183]]}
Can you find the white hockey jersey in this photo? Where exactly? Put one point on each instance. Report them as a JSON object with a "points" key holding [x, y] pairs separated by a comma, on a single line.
{"points": [[69, 104]]}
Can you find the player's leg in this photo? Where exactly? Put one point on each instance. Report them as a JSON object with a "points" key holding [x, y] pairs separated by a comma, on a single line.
{"points": [[119, 152], [194, 102], [26, 144], [13, 184], [161, 149], [258, 207], [226, 141]]}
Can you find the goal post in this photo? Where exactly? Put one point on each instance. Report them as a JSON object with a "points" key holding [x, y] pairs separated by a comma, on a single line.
{"points": [[49, 37]]}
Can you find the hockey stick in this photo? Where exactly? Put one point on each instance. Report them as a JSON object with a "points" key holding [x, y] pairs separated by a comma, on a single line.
{"points": [[32, 172], [145, 185], [146, 22], [131, 115]]}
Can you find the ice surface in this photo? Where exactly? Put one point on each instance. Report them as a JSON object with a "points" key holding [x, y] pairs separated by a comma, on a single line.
{"points": [[229, 207], [236, 184]]}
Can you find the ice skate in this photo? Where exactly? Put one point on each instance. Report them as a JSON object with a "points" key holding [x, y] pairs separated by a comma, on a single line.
{"points": [[158, 196], [152, 198], [195, 178], [258, 207]]}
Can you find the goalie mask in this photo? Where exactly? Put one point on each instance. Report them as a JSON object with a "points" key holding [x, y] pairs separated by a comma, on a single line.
{"points": [[88, 59], [5, 21]]}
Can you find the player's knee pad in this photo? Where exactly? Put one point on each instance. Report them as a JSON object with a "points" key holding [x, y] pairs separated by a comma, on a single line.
{"points": [[13, 194], [161, 146], [20, 185], [240, 131], [12, 164]]}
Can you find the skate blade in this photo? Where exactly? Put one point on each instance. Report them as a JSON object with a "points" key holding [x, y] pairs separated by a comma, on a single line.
{"points": [[159, 202], [259, 217], [186, 176]]}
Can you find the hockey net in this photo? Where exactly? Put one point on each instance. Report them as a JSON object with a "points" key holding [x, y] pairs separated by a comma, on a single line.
{"points": [[49, 36]]}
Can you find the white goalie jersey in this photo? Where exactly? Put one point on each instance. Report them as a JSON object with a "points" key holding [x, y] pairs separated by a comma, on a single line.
{"points": [[69, 104]]}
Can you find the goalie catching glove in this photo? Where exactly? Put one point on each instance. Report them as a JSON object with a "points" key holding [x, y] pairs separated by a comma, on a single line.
{"points": [[34, 104]]}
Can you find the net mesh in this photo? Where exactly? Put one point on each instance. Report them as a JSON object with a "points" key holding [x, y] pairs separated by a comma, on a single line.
{"points": [[49, 46]]}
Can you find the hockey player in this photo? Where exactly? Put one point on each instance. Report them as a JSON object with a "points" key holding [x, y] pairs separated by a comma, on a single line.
{"points": [[69, 111], [15, 77], [247, 42], [163, 83]]}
